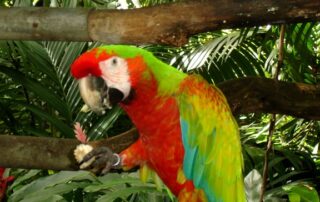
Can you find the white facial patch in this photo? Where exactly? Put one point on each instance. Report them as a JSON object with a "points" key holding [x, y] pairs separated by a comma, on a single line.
{"points": [[115, 73]]}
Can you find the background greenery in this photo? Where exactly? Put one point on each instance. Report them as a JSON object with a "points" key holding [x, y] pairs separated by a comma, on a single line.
{"points": [[38, 97]]}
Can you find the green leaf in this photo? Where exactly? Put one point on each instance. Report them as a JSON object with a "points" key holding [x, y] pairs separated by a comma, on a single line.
{"points": [[47, 187], [64, 128], [100, 128], [61, 126], [41, 91], [28, 176], [301, 192], [47, 197], [124, 193], [113, 183]]}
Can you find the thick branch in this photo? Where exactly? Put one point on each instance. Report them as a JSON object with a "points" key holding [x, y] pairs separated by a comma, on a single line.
{"points": [[51, 153], [254, 95], [166, 24], [245, 95]]}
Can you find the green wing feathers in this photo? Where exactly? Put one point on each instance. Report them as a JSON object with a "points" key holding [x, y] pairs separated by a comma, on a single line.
{"points": [[213, 157]]}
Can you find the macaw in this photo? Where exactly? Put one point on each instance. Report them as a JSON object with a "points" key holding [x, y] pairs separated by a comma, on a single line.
{"points": [[187, 133]]}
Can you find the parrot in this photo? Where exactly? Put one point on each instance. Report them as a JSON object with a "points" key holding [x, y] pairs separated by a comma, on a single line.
{"points": [[187, 133]]}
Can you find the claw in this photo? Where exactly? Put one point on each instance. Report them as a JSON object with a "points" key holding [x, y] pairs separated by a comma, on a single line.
{"points": [[100, 160]]}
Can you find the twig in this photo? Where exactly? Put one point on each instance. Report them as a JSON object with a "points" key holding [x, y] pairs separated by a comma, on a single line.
{"points": [[272, 117]]}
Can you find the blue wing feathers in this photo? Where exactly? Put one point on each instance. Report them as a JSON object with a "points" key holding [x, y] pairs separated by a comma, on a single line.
{"points": [[193, 163]]}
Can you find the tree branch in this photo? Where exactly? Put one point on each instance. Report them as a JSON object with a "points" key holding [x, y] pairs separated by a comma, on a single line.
{"points": [[52, 153], [256, 95], [163, 24], [246, 95]]}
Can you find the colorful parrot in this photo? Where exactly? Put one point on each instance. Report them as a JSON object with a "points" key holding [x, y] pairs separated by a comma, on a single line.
{"points": [[187, 133]]}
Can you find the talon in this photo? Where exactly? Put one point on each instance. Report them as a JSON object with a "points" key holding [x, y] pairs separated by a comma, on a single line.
{"points": [[98, 160], [96, 152], [85, 164]]}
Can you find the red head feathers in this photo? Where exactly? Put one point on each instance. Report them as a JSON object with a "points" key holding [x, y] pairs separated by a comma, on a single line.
{"points": [[88, 63]]}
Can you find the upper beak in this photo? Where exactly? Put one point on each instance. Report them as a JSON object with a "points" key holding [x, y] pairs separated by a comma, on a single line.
{"points": [[91, 90]]}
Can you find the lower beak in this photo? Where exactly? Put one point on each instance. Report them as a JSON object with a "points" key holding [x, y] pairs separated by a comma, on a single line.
{"points": [[97, 95], [91, 90]]}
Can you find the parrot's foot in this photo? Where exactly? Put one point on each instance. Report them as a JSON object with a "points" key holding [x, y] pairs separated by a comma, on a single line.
{"points": [[100, 160]]}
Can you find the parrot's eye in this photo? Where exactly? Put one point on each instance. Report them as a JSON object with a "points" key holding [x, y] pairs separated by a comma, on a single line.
{"points": [[114, 61]]}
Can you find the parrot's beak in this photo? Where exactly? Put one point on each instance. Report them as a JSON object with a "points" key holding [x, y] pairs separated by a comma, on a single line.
{"points": [[97, 95]]}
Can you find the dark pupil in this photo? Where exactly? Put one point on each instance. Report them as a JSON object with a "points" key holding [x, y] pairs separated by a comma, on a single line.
{"points": [[114, 61]]}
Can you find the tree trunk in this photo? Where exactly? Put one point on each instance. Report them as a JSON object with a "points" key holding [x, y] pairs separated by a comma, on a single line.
{"points": [[170, 24]]}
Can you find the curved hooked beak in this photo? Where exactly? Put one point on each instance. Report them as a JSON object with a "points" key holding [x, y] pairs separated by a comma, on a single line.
{"points": [[97, 95]]}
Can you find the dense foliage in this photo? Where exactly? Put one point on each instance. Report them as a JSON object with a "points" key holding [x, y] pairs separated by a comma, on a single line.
{"points": [[39, 98]]}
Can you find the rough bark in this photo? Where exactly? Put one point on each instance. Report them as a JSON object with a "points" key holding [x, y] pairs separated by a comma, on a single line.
{"points": [[51, 153], [246, 95], [48, 24], [254, 95], [165, 24]]}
